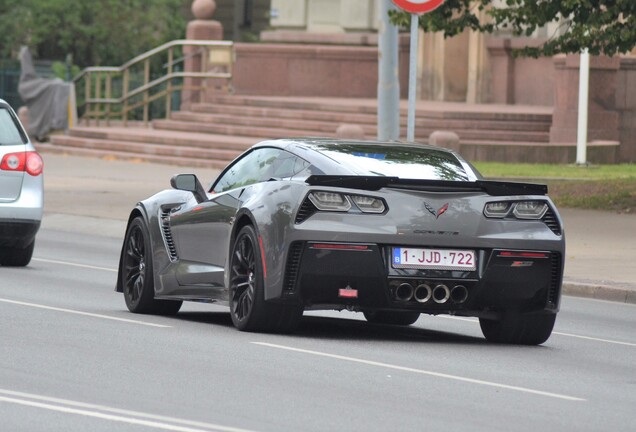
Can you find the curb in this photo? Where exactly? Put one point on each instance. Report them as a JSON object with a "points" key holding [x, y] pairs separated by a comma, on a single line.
{"points": [[599, 291]]}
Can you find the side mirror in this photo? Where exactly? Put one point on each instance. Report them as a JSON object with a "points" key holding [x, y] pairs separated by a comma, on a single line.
{"points": [[189, 183]]}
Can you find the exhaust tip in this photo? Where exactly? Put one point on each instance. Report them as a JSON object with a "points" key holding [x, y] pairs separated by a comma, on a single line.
{"points": [[423, 293], [441, 294], [459, 294], [404, 292]]}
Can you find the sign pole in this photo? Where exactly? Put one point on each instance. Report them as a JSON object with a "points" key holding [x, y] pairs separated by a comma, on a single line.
{"points": [[415, 8], [410, 127], [584, 85]]}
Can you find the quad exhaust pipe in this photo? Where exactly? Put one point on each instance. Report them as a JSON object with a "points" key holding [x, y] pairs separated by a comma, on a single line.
{"points": [[423, 293], [404, 292], [441, 294]]}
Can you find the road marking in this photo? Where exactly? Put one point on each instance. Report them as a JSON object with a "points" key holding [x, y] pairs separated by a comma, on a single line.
{"points": [[595, 339], [76, 312], [112, 414], [92, 267], [474, 320], [423, 372]]}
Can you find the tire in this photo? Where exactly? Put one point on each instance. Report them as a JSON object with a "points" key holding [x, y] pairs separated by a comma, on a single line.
{"points": [[520, 329], [248, 308], [392, 317], [137, 274], [17, 257]]}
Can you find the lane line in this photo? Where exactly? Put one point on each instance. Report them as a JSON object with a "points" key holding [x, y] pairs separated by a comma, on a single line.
{"points": [[595, 339], [76, 312], [423, 372], [112, 414], [474, 320], [92, 267]]}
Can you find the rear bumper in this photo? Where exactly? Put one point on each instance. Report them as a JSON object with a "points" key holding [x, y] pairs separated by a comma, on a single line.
{"points": [[501, 282], [18, 233]]}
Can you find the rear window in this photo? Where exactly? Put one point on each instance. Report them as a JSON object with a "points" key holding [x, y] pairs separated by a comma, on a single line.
{"points": [[10, 133], [407, 162]]}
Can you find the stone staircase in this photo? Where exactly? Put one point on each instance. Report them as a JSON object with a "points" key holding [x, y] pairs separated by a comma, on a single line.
{"points": [[213, 133]]}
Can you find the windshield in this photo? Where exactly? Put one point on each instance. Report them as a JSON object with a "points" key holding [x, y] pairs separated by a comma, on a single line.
{"points": [[407, 162], [10, 134]]}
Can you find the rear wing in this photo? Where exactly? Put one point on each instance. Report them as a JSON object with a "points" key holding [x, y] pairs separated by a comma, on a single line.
{"points": [[374, 183]]}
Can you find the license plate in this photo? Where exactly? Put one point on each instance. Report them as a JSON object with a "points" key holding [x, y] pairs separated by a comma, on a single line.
{"points": [[434, 259]]}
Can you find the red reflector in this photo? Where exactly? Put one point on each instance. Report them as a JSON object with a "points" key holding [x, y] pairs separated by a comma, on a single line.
{"points": [[512, 254], [339, 246], [260, 244], [347, 293]]}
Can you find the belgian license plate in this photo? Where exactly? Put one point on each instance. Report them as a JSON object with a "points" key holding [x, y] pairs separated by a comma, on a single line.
{"points": [[434, 259]]}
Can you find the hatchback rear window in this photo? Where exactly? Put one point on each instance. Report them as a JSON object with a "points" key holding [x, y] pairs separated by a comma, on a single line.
{"points": [[10, 133]]}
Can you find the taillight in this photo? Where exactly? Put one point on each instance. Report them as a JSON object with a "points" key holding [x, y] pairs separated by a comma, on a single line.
{"points": [[29, 161]]}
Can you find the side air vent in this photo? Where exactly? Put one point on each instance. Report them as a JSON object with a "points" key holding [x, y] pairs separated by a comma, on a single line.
{"points": [[293, 265], [555, 279], [305, 211], [164, 218], [551, 221]]}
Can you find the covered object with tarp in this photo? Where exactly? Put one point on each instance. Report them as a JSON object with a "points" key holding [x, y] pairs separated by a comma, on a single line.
{"points": [[47, 99]]}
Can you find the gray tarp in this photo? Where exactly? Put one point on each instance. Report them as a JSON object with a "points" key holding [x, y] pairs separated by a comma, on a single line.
{"points": [[47, 99]]}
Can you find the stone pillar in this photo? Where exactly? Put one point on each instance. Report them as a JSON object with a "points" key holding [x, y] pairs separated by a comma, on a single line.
{"points": [[603, 117], [201, 28]]}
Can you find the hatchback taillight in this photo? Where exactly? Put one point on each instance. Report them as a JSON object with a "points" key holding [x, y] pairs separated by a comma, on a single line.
{"points": [[30, 162]]}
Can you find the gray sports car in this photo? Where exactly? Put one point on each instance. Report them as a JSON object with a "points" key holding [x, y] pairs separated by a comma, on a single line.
{"points": [[388, 229]]}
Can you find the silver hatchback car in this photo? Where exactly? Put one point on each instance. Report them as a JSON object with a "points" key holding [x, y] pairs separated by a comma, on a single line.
{"points": [[21, 190]]}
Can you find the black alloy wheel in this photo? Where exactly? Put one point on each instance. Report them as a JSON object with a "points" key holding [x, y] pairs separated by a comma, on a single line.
{"points": [[137, 274], [243, 278], [248, 308], [519, 329]]}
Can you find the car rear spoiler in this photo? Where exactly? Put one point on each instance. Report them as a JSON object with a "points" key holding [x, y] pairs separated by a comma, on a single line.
{"points": [[374, 183]]}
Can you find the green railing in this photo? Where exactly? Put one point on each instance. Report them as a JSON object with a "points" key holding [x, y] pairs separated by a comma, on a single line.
{"points": [[144, 87]]}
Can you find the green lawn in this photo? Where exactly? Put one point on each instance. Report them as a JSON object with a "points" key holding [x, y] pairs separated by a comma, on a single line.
{"points": [[602, 187]]}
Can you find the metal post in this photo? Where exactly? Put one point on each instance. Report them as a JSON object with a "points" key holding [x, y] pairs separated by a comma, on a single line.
{"points": [[388, 80], [584, 87], [410, 126]]}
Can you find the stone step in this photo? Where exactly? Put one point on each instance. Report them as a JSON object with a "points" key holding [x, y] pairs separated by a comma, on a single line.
{"points": [[447, 110], [142, 157], [369, 119], [258, 133], [173, 138], [301, 125], [257, 127], [216, 158]]}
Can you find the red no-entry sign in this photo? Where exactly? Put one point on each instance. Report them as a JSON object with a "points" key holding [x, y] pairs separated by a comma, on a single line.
{"points": [[418, 6]]}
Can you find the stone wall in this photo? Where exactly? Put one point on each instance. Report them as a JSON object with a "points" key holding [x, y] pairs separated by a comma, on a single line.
{"points": [[311, 70]]}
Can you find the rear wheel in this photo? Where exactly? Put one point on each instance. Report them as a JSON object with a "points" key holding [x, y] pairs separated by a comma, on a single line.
{"points": [[137, 274], [248, 308], [17, 257], [392, 317], [521, 329]]}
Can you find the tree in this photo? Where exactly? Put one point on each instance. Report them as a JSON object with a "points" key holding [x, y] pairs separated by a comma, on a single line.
{"points": [[603, 26], [104, 32]]}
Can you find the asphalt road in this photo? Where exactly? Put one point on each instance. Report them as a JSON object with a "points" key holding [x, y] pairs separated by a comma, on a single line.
{"points": [[73, 359]]}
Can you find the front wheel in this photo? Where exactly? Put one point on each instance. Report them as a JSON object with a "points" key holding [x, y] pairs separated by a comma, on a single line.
{"points": [[521, 329], [392, 317], [248, 308], [137, 274]]}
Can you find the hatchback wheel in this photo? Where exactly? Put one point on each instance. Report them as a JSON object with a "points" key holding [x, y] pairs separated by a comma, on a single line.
{"points": [[17, 257]]}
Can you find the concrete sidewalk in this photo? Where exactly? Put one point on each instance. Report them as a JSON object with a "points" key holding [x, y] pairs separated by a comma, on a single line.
{"points": [[90, 195]]}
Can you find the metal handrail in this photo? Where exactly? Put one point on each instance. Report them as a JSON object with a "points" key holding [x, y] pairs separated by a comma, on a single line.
{"points": [[217, 53]]}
